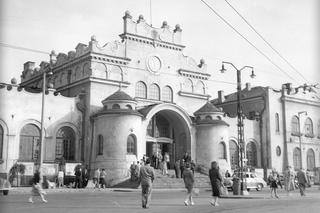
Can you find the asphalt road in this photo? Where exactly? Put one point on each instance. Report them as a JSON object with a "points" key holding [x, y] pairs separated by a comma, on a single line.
{"points": [[169, 201]]}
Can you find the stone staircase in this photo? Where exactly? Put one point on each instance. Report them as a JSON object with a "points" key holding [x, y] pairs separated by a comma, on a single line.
{"points": [[169, 181]]}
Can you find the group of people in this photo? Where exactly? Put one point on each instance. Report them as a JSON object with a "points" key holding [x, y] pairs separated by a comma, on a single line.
{"points": [[147, 176], [99, 178], [290, 178], [82, 176], [181, 164]]}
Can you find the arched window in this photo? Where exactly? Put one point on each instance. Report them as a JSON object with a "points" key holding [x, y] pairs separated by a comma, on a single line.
{"points": [[100, 145], [234, 154], [141, 90], [308, 128], [310, 160], [277, 122], [128, 106], [188, 85], [115, 106], [251, 154], [167, 94], [1, 141], [65, 144], [200, 88], [208, 117], [154, 92], [29, 143], [318, 128], [295, 125], [222, 151], [296, 159], [131, 145]]}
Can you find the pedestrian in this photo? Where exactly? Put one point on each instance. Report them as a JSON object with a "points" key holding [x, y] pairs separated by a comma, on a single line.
{"points": [[289, 180], [85, 177], [273, 181], [78, 174], [177, 168], [182, 164], [96, 178], [164, 167], [302, 181], [103, 175], [37, 188], [166, 158], [60, 178], [132, 170], [215, 179], [188, 179], [146, 179]]}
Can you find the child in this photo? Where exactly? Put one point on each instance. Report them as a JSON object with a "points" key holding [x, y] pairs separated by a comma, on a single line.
{"points": [[36, 188]]}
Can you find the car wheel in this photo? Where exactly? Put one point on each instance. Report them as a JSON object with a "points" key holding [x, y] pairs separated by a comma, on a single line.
{"points": [[259, 187], [5, 192]]}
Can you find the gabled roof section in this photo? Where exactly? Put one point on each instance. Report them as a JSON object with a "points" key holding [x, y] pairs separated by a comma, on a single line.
{"points": [[207, 108], [119, 95], [245, 94]]}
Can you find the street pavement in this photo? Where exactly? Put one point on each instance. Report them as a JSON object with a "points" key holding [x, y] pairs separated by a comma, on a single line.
{"points": [[163, 200]]}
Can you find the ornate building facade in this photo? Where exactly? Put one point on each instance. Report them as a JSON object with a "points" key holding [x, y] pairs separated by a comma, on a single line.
{"points": [[112, 104]]}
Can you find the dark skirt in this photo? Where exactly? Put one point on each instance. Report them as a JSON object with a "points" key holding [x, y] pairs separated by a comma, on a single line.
{"points": [[215, 190], [273, 184]]}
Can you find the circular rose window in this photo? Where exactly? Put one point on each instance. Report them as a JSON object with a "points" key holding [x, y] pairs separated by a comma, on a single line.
{"points": [[154, 63], [278, 151]]}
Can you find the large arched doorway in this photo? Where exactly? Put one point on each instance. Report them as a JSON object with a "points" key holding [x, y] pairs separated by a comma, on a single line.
{"points": [[29, 143], [65, 144], [168, 131]]}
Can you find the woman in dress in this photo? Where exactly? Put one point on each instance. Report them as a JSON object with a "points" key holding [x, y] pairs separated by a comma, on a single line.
{"points": [[289, 180], [188, 179], [215, 179], [273, 180], [36, 188]]}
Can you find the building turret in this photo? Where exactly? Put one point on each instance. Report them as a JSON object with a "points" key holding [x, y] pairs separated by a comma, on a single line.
{"points": [[212, 137], [116, 135]]}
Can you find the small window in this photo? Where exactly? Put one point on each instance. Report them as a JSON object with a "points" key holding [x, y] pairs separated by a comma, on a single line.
{"points": [[295, 125], [1, 141], [222, 150], [141, 90], [167, 94], [308, 128], [131, 145], [277, 123], [128, 106], [208, 117], [100, 145], [115, 106], [154, 92], [278, 151]]}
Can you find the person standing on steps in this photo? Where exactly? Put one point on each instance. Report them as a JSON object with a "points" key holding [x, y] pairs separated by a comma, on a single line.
{"points": [[146, 179], [188, 179], [215, 179]]}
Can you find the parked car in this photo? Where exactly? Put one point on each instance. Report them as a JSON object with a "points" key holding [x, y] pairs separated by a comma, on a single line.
{"points": [[4, 186], [251, 179]]}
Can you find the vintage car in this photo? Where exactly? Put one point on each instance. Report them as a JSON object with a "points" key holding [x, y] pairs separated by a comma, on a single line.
{"points": [[251, 179], [4, 186]]}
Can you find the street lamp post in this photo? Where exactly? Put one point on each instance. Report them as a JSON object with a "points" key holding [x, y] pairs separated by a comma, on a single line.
{"points": [[299, 125], [240, 116], [42, 134]]}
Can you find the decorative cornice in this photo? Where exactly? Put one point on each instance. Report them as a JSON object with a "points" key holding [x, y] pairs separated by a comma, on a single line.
{"points": [[124, 84], [194, 95], [151, 41], [301, 101], [193, 74]]}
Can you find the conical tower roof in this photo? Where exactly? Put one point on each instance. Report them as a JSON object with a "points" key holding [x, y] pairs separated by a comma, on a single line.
{"points": [[119, 95], [207, 108]]}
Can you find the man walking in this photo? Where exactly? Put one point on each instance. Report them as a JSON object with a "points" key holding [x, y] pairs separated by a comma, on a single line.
{"points": [[302, 181], [146, 178]]}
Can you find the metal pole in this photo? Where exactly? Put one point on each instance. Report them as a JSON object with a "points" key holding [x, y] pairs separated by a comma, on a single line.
{"points": [[300, 142], [240, 127], [42, 128]]}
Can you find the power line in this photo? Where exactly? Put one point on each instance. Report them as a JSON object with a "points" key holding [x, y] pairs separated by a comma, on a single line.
{"points": [[23, 48], [256, 48], [268, 43]]}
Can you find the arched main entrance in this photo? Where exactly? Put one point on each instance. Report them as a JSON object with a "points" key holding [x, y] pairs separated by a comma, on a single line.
{"points": [[168, 130]]}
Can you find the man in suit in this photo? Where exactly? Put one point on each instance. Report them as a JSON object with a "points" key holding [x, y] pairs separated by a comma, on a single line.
{"points": [[146, 178]]}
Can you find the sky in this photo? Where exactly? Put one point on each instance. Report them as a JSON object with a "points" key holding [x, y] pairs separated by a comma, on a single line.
{"points": [[290, 26]]}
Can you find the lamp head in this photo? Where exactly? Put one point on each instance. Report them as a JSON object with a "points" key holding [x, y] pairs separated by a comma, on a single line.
{"points": [[252, 74], [222, 69]]}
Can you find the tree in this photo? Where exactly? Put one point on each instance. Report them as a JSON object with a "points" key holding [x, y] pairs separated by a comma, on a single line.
{"points": [[16, 170]]}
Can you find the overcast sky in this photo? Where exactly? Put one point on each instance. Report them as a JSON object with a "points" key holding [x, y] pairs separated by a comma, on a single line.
{"points": [[290, 26]]}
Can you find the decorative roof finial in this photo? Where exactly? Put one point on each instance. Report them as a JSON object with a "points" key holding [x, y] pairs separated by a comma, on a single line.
{"points": [[164, 24], [177, 29], [93, 38], [141, 18], [127, 15]]}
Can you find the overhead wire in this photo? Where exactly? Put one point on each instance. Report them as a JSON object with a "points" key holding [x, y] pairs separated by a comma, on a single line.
{"points": [[249, 42], [268, 43], [23, 48]]}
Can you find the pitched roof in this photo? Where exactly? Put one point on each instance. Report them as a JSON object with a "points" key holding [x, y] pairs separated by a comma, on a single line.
{"points": [[207, 108], [119, 95]]}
